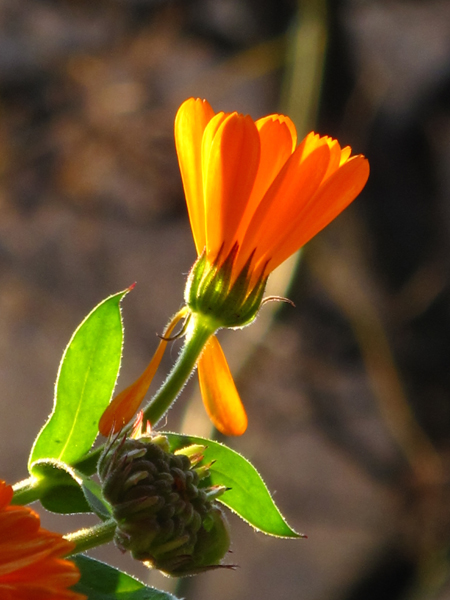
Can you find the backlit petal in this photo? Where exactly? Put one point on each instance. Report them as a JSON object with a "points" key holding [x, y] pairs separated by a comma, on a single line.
{"points": [[335, 157], [230, 169], [295, 185], [335, 194], [190, 123], [345, 155], [278, 139], [219, 393]]}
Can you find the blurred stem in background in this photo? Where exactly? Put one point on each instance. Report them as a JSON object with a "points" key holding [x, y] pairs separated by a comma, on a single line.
{"points": [[305, 61], [347, 278]]}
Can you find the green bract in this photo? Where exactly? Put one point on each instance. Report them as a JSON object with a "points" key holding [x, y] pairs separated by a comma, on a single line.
{"points": [[211, 292]]}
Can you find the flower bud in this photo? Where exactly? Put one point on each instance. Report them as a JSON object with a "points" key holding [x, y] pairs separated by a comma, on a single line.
{"points": [[164, 516]]}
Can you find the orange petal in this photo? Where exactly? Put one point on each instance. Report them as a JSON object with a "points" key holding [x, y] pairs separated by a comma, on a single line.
{"points": [[122, 408], [335, 156], [30, 557], [230, 165], [335, 194], [294, 187], [278, 139], [6, 494], [190, 122], [219, 393], [345, 155]]}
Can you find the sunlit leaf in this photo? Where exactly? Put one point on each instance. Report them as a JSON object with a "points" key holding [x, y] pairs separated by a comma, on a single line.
{"points": [[85, 383], [248, 495], [102, 582]]}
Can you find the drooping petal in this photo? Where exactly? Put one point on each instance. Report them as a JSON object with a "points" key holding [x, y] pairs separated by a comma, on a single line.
{"points": [[122, 408], [230, 166], [335, 194], [219, 393], [190, 123]]}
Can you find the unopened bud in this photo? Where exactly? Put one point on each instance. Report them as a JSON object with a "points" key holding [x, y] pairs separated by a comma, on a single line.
{"points": [[164, 516]]}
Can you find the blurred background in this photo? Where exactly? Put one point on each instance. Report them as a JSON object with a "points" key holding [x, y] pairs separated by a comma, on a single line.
{"points": [[348, 394]]}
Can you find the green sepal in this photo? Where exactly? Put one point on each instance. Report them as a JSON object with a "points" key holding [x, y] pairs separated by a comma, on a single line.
{"points": [[102, 582], [247, 494], [239, 290], [210, 293], [194, 279], [215, 286]]}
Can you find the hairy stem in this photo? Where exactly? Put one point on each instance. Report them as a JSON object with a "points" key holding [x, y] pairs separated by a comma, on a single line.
{"points": [[91, 537]]}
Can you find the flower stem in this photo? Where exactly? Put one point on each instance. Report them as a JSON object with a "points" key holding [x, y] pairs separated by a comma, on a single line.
{"points": [[200, 330], [26, 491], [91, 537]]}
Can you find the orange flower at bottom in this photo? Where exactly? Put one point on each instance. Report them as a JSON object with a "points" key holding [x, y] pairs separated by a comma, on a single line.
{"points": [[31, 563]]}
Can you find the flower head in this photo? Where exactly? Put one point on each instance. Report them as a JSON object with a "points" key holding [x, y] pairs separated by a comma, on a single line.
{"points": [[254, 198], [249, 187], [31, 563]]}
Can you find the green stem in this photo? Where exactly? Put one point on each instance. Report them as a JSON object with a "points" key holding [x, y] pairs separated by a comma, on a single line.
{"points": [[26, 491], [91, 537], [200, 330]]}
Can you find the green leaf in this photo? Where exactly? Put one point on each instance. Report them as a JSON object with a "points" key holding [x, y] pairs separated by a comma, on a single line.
{"points": [[102, 582], [248, 495], [86, 379], [60, 491]]}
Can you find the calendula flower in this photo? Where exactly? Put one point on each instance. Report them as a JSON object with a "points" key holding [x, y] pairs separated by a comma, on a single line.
{"points": [[31, 563], [254, 198]]}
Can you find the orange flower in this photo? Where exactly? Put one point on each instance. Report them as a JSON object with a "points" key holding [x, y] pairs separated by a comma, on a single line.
{"points": [[254, 196], [31, 563], [254, 199]]}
